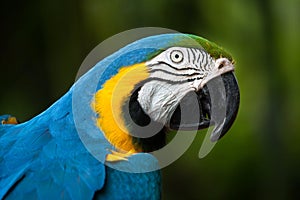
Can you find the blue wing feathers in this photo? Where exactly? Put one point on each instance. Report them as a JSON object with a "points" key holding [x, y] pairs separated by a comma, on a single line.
{"points": [[45, 159]]}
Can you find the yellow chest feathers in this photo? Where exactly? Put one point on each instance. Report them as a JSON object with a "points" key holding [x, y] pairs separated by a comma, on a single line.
{"points": [[109, 102]]}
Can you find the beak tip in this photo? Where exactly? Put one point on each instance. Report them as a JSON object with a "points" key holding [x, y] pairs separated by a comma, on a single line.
{"points": [[232, 106]]}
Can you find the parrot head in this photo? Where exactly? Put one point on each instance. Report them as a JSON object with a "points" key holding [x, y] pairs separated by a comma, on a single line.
{"points": [[8, 119], [155, 91]]}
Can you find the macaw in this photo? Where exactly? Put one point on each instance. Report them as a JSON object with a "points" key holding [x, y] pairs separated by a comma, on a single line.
{"points": [[8, 119], [92, 144]]}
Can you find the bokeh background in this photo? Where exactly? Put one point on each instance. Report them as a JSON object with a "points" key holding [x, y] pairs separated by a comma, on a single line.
{"points": [[44, 42]]}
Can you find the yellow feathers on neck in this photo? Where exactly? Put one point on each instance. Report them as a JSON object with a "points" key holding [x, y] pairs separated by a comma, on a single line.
{"points": [[109, 101]]}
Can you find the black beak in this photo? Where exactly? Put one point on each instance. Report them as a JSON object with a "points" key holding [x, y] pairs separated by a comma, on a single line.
{"points": [[217, 104]]}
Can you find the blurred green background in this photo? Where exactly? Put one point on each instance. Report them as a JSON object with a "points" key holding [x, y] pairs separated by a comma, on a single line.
{"points": [[44, 42]]}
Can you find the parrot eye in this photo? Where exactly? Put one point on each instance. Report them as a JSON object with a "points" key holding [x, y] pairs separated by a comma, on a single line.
{"points": [[176, 56]]}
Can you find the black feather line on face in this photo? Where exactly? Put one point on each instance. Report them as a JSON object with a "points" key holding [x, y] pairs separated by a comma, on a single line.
{"points": [[141, 119], [175, 68], [174, 74]]}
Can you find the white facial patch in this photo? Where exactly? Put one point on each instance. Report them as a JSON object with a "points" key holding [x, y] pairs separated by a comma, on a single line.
{"points": [[160, 99]]}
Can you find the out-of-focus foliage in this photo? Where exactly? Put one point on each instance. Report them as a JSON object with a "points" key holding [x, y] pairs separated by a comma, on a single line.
{"points": [[44, 42]]}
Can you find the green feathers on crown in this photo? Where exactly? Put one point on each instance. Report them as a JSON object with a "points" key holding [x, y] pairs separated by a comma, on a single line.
{"points": [[189, 40]]}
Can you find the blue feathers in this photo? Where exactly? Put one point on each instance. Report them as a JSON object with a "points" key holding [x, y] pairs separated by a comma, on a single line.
{"points": [[124, 185], [45, 158]]}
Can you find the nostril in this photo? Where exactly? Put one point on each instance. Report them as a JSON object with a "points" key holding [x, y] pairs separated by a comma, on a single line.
{"points": [[221, 65]]}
